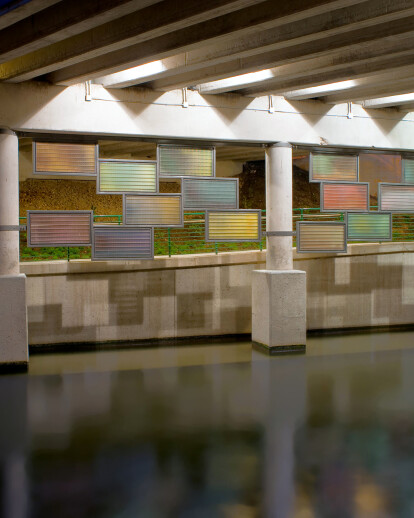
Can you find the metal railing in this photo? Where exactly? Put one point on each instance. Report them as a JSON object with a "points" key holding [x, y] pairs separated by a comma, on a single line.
{"points": [[190, 238]]}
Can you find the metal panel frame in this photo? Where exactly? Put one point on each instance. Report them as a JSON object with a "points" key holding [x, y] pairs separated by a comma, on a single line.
{"points": [[311, 179], [259, 238], [189, 147], [149, 195], [116, 160], [403, 159], [320, 251], [322, 209], [402, 211], [184, 178], [376, 240], [67, 212], [120, 227], [58, 173]]}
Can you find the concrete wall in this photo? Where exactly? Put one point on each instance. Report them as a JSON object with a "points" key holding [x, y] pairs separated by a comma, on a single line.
{"points": [[197, 295]]}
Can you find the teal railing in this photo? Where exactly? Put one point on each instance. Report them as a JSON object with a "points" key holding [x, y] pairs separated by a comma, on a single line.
{"points": [[190, 238]]}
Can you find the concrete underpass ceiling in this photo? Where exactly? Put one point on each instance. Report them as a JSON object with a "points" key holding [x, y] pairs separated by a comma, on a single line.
{"points": [[335, 51]]}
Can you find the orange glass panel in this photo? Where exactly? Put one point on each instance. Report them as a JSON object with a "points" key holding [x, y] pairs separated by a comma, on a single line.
{"points": [[344, 197]]}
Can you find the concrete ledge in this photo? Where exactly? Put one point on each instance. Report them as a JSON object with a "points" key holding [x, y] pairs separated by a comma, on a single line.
{"points": [[79, 266]]}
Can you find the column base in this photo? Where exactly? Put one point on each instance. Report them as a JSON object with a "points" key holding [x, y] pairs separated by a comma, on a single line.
{"points": [[279, 311], [14, 351]]}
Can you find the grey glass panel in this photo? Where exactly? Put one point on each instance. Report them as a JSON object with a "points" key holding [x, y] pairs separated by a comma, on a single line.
{"points": [[210, 193], [119, 242], [186, 161]]}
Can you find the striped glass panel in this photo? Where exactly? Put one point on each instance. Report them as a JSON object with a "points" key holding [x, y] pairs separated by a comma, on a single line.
{"points": [[408, 170], [118, 242], [119, 176], [59, 228], [320, 237], [64, 158], [369, 226], [211, 193], [334, 168], [240, 225], [344, 197], [396, 197], [155, 210], [186, 161]]}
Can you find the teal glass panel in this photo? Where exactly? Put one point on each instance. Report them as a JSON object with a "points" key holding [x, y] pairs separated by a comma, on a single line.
{"points": [[369, 226]]}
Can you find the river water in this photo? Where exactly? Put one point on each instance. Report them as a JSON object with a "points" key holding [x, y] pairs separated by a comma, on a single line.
{"points": [[213, 430]]}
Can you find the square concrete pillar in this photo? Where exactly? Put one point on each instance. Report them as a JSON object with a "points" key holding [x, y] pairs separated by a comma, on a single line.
{"points": [[279, 310], [13, 322]]}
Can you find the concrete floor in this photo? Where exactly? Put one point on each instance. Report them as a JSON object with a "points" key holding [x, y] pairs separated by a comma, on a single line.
{"points": [[213, 431]]}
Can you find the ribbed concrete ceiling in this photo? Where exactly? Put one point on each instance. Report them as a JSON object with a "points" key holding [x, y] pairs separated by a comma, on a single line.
{"points": [[337, 51]]}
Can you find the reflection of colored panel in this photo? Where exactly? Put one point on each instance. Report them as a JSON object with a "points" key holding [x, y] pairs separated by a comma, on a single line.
{"points": [[334, 168], [59, 228], [64, 158], [116, 242], [408, 170], [396, 197], [118, 176], [186, 161], [240, 225], [344, 197], [369, 226], [320, 237], [155, 210], [211, 193]]}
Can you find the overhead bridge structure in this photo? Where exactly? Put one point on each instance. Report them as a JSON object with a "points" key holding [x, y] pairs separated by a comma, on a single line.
{"points": [[333, 75]]}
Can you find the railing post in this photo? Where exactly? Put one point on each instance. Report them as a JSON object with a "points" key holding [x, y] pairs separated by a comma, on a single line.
{"points": [[169, 241]]}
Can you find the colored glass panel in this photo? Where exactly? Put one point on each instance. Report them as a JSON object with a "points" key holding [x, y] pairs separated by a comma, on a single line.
{"points": [[396, 197], [64, 158], [210, 193], [243, 225], [369, 226], [334, 168], [408, 170], [116, 242], [59, 228], [321, 237], [344, 197], [159, 210], [186, 161], [119, 176]]}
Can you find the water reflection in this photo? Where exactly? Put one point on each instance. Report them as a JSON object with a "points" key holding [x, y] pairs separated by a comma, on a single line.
{"points": [[226, 432]]}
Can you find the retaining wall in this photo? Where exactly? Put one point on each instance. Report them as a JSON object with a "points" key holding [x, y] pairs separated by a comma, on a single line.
{"points": [[183, 296]]}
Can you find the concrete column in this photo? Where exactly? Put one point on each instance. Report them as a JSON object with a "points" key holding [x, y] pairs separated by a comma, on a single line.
{"points": [[279, 206], [279, 292], [13, 315]]}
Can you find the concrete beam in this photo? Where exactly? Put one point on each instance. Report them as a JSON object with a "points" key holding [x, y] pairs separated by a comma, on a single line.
{"points": [[251, 19], [38, 108], [153, 22], [397, 66], [372, 91], [389, 34], [61, 21], [10, 15], [326, 24], [392, 100]]}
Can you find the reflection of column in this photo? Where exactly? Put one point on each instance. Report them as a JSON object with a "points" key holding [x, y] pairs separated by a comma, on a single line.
{"points": [[279, 292], [13, 319], [15, 488]]}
